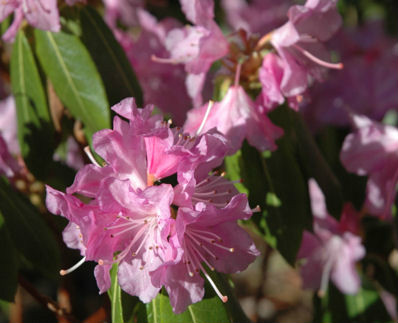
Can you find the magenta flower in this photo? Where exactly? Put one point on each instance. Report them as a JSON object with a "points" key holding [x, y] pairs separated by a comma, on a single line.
{"points": [[130, 224], [162, 84], [299, 44], [42, 14], [237, 117], [128, 218], [123, 10], [372, 150], [271, 75], [209, 238], [8, 124], [370, 62], [257, 16], [332, 250], [198, 46], [8, 164]]}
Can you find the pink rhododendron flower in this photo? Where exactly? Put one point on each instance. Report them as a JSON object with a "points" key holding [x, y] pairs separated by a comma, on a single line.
{"points": [[257, 16], [299, 44], [270, 75], [128, 218], [123, 10], [370, 61], [207, 235], [237, 117], [42, 14], [8, 164], [162, 84], [8, 124], [372, 150], [198, 46], [332, 250]]}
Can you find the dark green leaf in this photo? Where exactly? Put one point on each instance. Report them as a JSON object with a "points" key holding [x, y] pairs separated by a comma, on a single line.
{"points": [[28, 231], [35, 131], [277, 183], [365, 306], [8, 265], [209, 310], [316, 166], [115, 69], [75, 78]]}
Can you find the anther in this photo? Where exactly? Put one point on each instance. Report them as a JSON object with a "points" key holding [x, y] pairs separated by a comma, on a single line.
{"points": [[64, 272]]}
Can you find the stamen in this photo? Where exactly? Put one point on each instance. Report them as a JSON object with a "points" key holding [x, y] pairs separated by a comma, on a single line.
{"points": [[209, 106], [337, 66], [224, 298], [390, 196], [157, 59], [212, 194], [211, 240], [256, 209], [325, 277], [90, 156], [237, 74], [203, 247], [64, 272]]}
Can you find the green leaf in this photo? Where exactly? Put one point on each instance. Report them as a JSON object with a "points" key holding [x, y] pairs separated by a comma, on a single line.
{"points": [[209, 310], [278, 184], [115, 69], [365, 306], [316, 166], [35, 131], [115, 297], [75, 78], [233, 168], [8, 265], [28, 231]]}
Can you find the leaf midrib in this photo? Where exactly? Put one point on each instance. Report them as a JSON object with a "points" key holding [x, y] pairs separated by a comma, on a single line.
{"points": [[68, 77]]}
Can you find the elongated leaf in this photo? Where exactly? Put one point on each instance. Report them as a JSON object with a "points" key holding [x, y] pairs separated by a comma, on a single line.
{"points": [[277, 183], [8, 265], [317, 167], [35, 131], [112, 63], [74, 77], [115, 297], [30, 234], [206, 311]]}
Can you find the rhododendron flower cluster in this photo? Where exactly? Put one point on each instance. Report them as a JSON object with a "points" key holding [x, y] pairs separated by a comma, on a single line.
{"points": [[159, 235], [245, 103]]}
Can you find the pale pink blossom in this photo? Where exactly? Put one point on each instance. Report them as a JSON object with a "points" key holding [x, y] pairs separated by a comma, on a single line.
{"points": [[370, 61], [372, 150], [8, 164], [42, 14], [299, 44], [125, 218], [8, 124], [197, 46], [257, 16], [162, 84], [238, 118], [209, 238], [332, 250]]}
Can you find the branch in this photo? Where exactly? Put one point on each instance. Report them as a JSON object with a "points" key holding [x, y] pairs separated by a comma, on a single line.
{"points": [[46, 301]]}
